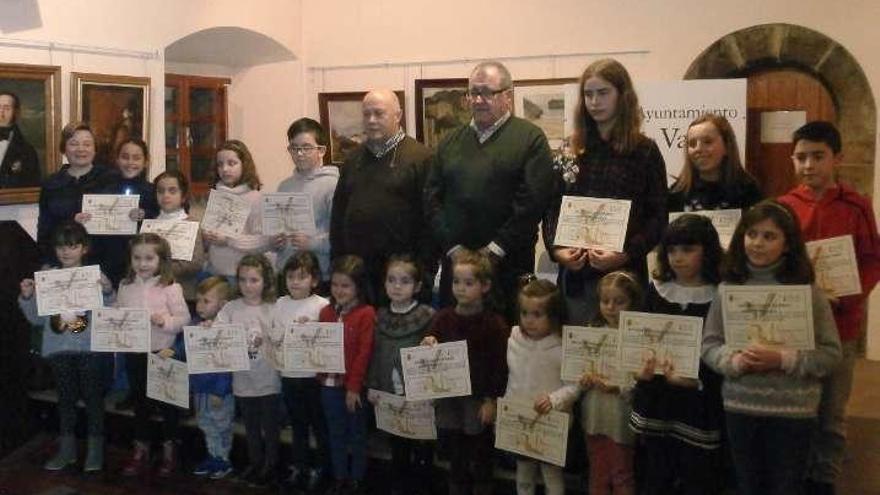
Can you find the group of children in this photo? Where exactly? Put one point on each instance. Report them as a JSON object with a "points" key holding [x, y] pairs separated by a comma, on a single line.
{"points": [[660, 430]]}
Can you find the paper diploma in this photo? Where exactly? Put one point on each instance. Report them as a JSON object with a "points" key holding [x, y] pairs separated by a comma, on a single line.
{"points": [[314, 347], [834, 260], [216, 348], [167, 381], [68, 289], [120, 330], [779, 316], [226, 213], [665, 337], [404, 418], [591, 350], [594, 223], [435, 372], [521, 430], [724, 221], [180, 234], [287, 213], [110, 213]]}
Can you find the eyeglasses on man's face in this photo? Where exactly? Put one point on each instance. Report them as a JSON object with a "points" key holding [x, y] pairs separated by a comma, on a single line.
{"points": [[484, 93], [303, 150]]}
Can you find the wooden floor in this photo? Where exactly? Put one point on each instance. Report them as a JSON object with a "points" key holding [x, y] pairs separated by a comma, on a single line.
{"points": [[861, 472]]}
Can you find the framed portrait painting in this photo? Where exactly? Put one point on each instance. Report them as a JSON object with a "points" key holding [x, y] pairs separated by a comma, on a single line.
{"points": [[30, 124], [116, 107], [342, 119], [549, 104], [441, 106]]}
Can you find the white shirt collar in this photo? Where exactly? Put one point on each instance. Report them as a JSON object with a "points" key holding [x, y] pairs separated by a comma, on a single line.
{"points": [[483, 136]]}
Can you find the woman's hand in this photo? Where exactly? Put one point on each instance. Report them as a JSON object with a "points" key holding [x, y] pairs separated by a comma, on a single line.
{"points": [[429, 340], [27, 287], [543, 404], [82, 218], [759, 358], [215, 238], [673, 379], [106, 284], [166, 353], [606, 261], [352, 401], [137, 214], [649, 366], [571, 258], [157, 319], [487, 412], [301, 242]]}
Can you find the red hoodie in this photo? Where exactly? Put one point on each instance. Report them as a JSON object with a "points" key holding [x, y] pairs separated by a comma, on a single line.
{"points": [[842, 211]]}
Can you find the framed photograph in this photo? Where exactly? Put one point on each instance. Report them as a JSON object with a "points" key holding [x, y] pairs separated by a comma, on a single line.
{"points": [[441, 106], [549, 104], [342, 120], [116, 107], [32, 153]]}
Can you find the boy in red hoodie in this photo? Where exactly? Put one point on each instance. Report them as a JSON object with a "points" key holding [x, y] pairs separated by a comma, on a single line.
{"points": [[826, 208]]}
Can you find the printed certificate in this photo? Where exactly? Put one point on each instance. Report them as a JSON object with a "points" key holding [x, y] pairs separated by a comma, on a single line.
{"points": [[68, 289], [226, 213], [771, 315], [594, 223], [521, 430], [180, 234], [167, 381], [436, 372], [666, 337], [111, 213], [216, 348], [120, 330], [724, 222], [288, 213], [314, 347], [404, 418], [590, 350], [834, 260]]}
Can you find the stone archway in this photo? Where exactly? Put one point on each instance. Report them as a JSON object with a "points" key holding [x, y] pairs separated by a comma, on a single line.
{"points": [[768, 46]]}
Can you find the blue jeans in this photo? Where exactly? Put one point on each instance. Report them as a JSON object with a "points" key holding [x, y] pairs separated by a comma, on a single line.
{"points": [[216, 423], [769, 454], [347, 435]]}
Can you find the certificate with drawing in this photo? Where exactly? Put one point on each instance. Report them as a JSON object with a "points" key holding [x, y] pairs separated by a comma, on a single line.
{"points": [[226, 213], [111, 213], [521, 430], [834, 260], [590, 350], [677, 339], [120, 330], [273, 349], [314, 347], [180, 234], [778, 316], [436, 372], [216, 348], [724, 221], [68, 289], [404, 418], [167, 381], [594, 223], [288, 213]]}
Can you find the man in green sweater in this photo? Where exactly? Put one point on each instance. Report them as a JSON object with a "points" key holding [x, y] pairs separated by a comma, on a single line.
{"points": [[489, 184]]}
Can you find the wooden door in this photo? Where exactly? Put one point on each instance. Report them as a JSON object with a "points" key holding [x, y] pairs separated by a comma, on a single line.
{"points": [[775, 90]]}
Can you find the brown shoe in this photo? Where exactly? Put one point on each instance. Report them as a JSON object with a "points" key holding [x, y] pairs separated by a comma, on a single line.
{"points": [[139, 461], [169, 460]]}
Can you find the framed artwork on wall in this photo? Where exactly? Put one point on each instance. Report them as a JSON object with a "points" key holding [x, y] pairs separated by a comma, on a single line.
{"points": [[441, 106], [343, 123], [116, 108], [549, 104], [34, 123]]}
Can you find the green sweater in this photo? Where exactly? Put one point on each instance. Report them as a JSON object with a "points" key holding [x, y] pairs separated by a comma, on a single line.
{"points": [[494, 191]]}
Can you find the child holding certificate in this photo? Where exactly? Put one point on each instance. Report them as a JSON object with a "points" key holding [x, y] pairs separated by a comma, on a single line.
{"points": [[771, 394], [299, 279], [257, 390], [212, 392], [150, 284], [465, 420], [534, 358], [826, 208], [679, 420], [402, 324], [341, 393], [66, 345], [236, 173], [605, 409]]}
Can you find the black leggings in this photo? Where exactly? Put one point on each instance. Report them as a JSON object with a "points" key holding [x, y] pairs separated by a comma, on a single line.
{"points": [[136, 366], [80, 375]]}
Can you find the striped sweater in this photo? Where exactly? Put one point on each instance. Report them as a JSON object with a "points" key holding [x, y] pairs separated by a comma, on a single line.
{"points": [[790, 393]]}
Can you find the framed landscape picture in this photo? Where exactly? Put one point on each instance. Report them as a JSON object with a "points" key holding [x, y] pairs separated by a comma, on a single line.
{"points": [[441, 106], [116, 108], [32, 154], [342, 120], [549, 104]]}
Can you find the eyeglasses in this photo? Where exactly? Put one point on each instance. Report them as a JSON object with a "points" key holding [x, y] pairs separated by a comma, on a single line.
{"points": [[484, 93], [297, 150]]}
